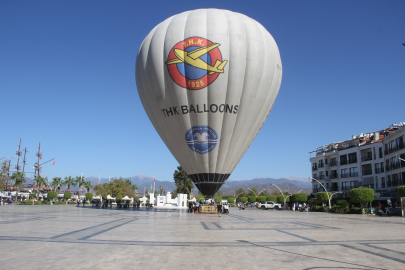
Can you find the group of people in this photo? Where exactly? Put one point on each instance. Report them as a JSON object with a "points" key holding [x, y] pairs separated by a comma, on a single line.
{"points": [[297, 207], [222, 208]]}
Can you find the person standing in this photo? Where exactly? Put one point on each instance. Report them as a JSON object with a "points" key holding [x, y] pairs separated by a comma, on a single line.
{"points": [[219, 208]]}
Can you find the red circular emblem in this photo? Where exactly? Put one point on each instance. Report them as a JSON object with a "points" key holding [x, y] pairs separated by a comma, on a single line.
{"points": [[195, 63]]}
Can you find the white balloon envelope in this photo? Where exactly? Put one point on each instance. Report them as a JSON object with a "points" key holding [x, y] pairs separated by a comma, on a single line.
{"points": [[208, 79]]}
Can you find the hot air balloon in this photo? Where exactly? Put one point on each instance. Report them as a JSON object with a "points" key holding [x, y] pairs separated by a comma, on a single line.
{"points": [[208, 79]]}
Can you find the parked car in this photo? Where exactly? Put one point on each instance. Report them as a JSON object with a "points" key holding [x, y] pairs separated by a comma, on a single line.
{"points": [[269, 205]]}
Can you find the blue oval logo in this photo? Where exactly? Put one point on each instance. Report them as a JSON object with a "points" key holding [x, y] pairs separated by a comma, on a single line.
{"points": [[202, 139]]}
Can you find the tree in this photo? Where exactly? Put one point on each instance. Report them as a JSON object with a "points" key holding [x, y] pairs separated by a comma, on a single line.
{"points": [[18, 177], [79, 181], [57, 182], [89, 196], [252, 199], [183, 182], [280, 199], [4, 170], [299, 197], [322, 197], [252, 192], [52, 195], [69, 181], [272, 198], [40, 181], [240, 193], [67, 195], [362, 195], [88, 185], [243, 199], [116, 187], [231, 199], [401, 191], [261, 199]]}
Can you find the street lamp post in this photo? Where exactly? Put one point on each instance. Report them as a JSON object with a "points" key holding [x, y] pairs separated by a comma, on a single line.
{"points": [[284, 197], [327, 193]]}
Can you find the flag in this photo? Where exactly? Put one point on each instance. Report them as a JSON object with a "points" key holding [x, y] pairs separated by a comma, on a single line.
{"points": [[53, 162], [154, 179]]}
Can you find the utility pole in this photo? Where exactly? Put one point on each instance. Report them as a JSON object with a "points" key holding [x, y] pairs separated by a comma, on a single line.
{"points": [[39, 155], [18, 153]]}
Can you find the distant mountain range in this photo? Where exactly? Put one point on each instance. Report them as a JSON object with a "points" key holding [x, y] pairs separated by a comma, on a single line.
{"points": [[292, 184]]}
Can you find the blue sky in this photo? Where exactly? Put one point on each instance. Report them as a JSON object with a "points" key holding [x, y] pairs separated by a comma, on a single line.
{"points": [[67, 80]]}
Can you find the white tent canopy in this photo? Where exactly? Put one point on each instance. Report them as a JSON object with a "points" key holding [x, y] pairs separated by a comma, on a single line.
{"points": [[126, 198], [110, 198]]}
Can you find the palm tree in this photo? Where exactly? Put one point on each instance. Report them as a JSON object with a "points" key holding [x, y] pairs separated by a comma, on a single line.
{"points": [[88, 185], [57, 183], [79, 181], [40, 181], [70, 181], [18, 177]]}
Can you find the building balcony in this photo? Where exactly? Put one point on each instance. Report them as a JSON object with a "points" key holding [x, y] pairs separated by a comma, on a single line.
{"points": [[345, 188], [334, 176], [344, 175], [354, 174], [320, 166], [363, 159], [394, 149], [367, 172], [378, 170], [353, 161], [314, 168], [321, 177], [333, 163]]}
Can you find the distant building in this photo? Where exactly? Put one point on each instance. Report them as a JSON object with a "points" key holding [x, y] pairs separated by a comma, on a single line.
{"points": [[367, 160], [394, 155]]}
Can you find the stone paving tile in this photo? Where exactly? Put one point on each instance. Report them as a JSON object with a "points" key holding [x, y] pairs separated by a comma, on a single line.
{"points": [[65, 237]]}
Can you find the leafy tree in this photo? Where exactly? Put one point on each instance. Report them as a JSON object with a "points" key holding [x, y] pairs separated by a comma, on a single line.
{"points": [[136, 199], [57, 183], [33, 196], [299, 197], [200, 199], [322, 197], [134, 187], [362, 195], [89, 196], [240, 193], [231, 199], [114, 188], [69, 181], [252, 199], [261, 199], [183, 182], [4, 172], [280, 199], [18, 178], [401, 191], [67, 195], [243, 199], [119, 198], [252, 192], [218, 199], [52, 195], [273, 198]]}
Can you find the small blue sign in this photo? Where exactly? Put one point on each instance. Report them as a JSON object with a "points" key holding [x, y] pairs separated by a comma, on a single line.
{"points": [[202, 139]]}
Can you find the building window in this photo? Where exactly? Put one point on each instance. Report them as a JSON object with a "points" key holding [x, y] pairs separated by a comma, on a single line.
{"points": [[389, 184], [345, 186], [376, 182], [343, 160], [320, 163], [332, 162], [314, 166], [382, 166], [315, 176], [333, 174], [321, 175], [354, 184], [353, 172], [377, 168], [344, 173], [353, 158], [380, 152], [382, 182]]}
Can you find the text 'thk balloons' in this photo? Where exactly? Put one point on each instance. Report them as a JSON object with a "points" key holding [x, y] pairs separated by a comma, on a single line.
{"points": [[208, 79]]}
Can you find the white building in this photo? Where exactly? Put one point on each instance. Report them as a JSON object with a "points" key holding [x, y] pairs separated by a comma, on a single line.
{"points": [[394, 155], [360, 161]]}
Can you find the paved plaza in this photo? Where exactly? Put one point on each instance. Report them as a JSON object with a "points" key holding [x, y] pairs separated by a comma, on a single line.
{"points": [[70, 237]]}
